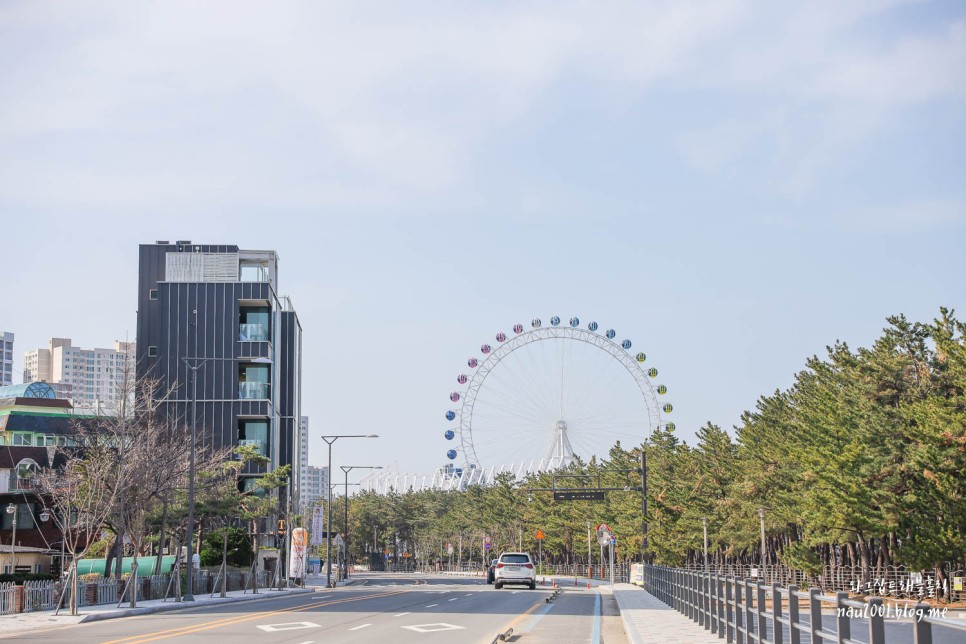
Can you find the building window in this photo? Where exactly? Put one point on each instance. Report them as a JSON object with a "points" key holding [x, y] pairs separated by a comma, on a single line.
{"points": [[254, 323], [255, 433], [153, 294], [253, 381], [152, 352]]}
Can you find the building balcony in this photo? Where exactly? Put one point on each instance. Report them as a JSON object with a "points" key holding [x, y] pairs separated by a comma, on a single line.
{"points": [[13, 483], [254, 390], [252, 333]]}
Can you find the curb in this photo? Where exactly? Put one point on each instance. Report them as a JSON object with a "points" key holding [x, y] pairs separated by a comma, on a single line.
{"points": [[165, 608]]}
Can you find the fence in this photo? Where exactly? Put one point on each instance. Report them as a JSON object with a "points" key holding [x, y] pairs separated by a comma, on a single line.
{"points": [[40, 595], [738, 610], [8, 598], [891, 581]]}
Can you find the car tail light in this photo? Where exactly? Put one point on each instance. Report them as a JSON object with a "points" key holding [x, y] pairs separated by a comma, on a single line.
{"points": [[528, 565], [499, 565]]}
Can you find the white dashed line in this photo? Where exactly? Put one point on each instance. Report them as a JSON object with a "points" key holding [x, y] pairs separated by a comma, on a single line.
{"points": [[360, 627], [431, 605], [401, 614], [454, 599]]}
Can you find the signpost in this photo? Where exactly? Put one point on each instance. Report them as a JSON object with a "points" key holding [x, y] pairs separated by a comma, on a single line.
{"points": [[540, 537]]}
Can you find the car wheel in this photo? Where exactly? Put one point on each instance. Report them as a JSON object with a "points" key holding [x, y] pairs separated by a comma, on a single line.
{"points": [[498, 585], [533, 585]]}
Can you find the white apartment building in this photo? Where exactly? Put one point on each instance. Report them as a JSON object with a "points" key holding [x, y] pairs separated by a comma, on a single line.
{"points": [[93, 379], [6, 358], [314, 485]]}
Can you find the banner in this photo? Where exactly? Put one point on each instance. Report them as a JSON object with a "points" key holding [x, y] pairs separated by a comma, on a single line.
{"points": [[318, 526], [296, 562]]}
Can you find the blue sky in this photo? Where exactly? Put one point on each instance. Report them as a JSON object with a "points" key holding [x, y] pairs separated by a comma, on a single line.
{"points": [[734, 185]]}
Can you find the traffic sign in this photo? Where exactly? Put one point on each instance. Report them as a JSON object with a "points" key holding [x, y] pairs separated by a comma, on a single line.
{"points": [[487, 545], [540, 535], [578, 495]]}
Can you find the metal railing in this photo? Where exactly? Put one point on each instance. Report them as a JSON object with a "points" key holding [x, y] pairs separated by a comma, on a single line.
{"points": [[881, 581], [748, 612]]}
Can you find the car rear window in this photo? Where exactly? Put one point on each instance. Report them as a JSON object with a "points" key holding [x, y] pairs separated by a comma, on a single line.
{"points": [[515, 559]]}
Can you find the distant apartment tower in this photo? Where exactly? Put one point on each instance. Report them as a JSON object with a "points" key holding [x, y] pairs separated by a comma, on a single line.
{"points": [[6, 358], [94, 380], [314, 486], [214, 311]]}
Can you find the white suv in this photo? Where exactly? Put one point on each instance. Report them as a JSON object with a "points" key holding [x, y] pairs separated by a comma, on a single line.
{"points": [[515, 568]]}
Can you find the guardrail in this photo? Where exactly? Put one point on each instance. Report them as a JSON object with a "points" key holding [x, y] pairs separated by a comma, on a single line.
{"points": [[746, 612]]}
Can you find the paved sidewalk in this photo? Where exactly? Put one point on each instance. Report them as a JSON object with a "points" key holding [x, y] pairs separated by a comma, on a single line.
{"points": [[647, 620], [41, 620]]}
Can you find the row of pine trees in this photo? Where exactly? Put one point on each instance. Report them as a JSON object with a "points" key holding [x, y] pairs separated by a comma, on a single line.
{"points": [[861, 461]]}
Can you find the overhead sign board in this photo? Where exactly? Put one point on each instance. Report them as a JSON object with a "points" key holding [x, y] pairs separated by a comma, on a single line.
{"points": [[578, 495]]}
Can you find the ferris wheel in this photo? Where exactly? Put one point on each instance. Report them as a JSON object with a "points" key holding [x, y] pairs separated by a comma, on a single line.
{"points": [[538, 399]]}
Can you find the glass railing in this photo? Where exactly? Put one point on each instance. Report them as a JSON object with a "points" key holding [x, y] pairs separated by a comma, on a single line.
{"points": [[253, 390], [253, 333], [259, 445]]}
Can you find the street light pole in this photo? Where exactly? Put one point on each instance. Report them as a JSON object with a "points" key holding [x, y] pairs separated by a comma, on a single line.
{"points": [[189, 577], [345, 521], [328, 506], [761, 516], [12, 509]]}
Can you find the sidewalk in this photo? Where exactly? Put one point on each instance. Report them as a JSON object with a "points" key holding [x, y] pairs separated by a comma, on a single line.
{"points": [[41, 620], [647, 620]]}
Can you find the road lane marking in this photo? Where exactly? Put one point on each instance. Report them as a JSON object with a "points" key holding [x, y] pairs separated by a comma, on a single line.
{"points": [[595, 634], [290, 626], [359, 628], [452, 600], [434, 628], [401, 614], [538, 617], [237, 619], [516, 620], [431, 605]]}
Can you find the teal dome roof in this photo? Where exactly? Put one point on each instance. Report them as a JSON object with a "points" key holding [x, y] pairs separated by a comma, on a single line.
{"points": [[28, 390]]}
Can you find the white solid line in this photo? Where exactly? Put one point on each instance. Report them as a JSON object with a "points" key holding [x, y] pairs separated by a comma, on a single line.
{"points": [[401, 614], [360, 627], [431, 605]]}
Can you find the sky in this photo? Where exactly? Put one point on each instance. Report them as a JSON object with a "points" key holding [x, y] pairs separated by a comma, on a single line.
{"points": [[732, 184]]}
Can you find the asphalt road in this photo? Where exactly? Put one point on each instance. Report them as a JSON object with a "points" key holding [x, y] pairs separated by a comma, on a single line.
{"points": [[394, 608]]}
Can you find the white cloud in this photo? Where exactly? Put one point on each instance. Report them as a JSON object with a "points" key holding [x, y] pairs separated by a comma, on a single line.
{"points": [[396, 99]]}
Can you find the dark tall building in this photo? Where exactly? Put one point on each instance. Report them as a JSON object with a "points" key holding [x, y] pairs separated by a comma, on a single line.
{"points": [[217, 308]]}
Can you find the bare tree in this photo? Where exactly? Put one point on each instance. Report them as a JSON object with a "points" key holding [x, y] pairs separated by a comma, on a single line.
{"points": [[80, 494]]}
